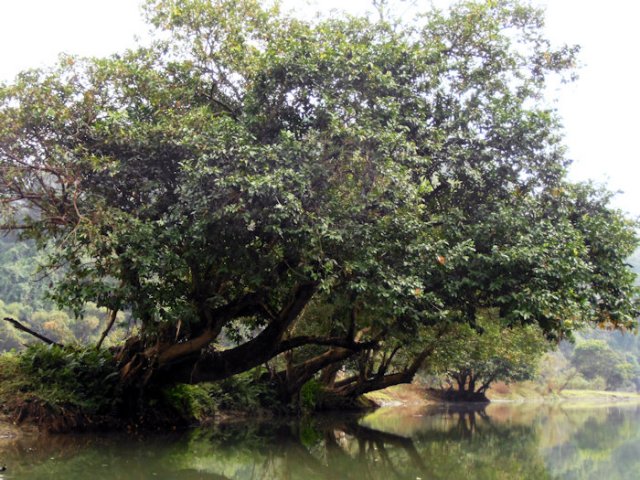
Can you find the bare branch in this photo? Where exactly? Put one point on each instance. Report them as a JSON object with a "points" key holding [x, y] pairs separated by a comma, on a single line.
{"points": [[26, 329], [112, 320]]}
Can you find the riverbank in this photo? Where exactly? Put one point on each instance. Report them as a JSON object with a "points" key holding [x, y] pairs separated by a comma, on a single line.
{"points": [[401, 395], [58, 392], [10, 432], [530, 392], [416, 395]]}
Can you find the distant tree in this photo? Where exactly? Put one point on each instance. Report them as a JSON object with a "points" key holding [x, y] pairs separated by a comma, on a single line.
{"points": [[595, 358], [555, 372], [634, 262]]}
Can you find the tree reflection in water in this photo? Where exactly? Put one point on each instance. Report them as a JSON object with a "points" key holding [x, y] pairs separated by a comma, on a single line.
{"points": [[445, 442]]}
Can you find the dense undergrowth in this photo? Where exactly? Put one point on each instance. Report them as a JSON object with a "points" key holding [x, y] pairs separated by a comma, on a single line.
{"points": [[246, 392], [59, 388], [74, 389]]}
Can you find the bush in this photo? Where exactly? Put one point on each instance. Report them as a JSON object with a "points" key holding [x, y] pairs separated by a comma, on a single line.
{"points": [[192, 402], [245, 391], [81, 377], [581, 383], [310, 395], [595, 358]]}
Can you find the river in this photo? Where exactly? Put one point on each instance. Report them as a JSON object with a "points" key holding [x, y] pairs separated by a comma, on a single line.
{"points": [[501, 441]]}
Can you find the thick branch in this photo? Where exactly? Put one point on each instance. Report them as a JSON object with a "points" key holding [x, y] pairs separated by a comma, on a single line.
{"points": [[297, 375], [346, 381], [486, 384], [300, 374], [327, 341], [216, 365], [356, 389], [244, 306], [185, 349], [379, 382]]}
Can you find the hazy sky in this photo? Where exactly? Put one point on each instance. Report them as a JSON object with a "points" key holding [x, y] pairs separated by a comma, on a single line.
{"points": [[599, 111]]}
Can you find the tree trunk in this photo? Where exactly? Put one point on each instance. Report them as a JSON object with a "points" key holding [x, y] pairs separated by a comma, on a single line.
{"points": [[145, 370], [349, 392], [329, 375], [295, 377]]}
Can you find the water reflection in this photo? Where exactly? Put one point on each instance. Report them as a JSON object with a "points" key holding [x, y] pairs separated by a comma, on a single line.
{"points": [[496, 442]]}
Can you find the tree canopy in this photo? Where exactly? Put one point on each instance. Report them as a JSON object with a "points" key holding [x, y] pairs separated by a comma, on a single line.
{"points": [[247, 164]]}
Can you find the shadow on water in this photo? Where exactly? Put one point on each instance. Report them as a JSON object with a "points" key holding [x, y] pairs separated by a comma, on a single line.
{"points": [[442, 442]]}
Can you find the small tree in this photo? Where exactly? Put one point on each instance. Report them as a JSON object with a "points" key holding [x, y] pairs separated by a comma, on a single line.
{"points": [[471, 359]]}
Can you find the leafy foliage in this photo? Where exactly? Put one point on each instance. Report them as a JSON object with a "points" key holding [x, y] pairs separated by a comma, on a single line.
{"points": [[192, 402], [472, 360], [244, 392], [555, 259], [310, 394], [64, 377]]}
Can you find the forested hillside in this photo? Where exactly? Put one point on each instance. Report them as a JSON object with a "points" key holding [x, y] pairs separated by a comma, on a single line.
{"points": [[23, 297], [19, 279]]}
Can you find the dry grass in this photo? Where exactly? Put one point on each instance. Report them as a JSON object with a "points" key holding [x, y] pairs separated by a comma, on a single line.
{"points": [[400, 395]]}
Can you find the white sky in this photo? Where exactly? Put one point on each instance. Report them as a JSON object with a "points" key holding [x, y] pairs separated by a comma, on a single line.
{"points": [[599, 111]]}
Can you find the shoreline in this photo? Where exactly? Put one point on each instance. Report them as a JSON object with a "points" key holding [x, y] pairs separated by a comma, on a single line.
{"points": [[403, 398]]}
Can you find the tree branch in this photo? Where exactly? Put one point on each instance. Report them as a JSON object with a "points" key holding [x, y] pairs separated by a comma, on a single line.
{"points": [[40, 337], [327, 341], [217, 365], [112, 320]]}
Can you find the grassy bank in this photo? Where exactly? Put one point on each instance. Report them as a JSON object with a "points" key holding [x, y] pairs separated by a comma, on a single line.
{"points": [[530, 391], [409, 395], [417, 395]]}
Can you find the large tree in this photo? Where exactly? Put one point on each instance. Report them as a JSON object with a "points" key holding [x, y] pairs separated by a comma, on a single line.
{"points": [[247, 163]]}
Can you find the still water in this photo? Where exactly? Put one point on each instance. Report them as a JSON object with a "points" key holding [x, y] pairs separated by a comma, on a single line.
{"points": [[501, 441]]}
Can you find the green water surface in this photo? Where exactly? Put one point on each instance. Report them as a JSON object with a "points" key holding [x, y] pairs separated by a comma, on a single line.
{"points": [[501, 441]]}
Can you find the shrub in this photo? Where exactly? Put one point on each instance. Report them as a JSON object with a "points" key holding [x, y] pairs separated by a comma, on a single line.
{"points": [[310, 394], [81, 377], [245, 391], [191, 402]]}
